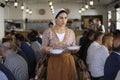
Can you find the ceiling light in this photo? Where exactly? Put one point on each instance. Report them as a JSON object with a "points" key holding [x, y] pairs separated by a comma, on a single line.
{"points": [[27, 9], [91, 2], [80, 11], [83, 9], [51, 7], [53, 12], [86, 6], [30, 11], [15, 4], [50, 3], [22, 7], [6, 1]]}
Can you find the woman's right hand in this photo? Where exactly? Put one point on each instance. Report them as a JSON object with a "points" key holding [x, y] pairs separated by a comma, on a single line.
{"points": [[46, 50]]}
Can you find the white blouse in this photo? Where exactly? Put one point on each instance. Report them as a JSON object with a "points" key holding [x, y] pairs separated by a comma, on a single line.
{"points": [[60, 36]]}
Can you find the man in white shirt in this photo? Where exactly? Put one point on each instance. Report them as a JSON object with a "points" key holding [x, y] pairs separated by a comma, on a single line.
{"points": [[118, 76], [92, 50], [100, 27], [100, 57]]}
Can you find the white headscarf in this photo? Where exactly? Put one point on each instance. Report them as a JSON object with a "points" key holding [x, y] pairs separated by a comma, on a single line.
{"points": [[55, 14]]}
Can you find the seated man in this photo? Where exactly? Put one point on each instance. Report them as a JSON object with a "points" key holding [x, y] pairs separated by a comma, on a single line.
{"points": [[29, 53], [112, 64], [5, 74], [15, 63]]}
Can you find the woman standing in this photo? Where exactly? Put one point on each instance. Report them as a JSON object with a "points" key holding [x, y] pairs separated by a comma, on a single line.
{"points": [[60, 66]]}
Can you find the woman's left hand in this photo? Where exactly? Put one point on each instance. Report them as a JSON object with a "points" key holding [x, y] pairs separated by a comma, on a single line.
{"points": [[74, 51]]}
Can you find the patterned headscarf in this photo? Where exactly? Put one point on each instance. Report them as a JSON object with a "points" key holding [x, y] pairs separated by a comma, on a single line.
{"points": [[55, 14]]}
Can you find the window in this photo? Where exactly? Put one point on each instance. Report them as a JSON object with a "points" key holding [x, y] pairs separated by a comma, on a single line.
{"points": [[109, 16], [118, 18]]}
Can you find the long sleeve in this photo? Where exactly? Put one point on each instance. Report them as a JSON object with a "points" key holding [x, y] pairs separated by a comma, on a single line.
{"points": [[45, 38], [74, 39]]}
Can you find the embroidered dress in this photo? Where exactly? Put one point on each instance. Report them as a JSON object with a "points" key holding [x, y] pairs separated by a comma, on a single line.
{"points": [[60, 66]]}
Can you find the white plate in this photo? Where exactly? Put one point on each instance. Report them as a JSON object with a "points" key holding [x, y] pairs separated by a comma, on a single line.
{"points": [[73, 47], [56, 51]]}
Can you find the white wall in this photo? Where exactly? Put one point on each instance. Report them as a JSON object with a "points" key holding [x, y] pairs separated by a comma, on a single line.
{"points": [[36, 16], [13, 13]]}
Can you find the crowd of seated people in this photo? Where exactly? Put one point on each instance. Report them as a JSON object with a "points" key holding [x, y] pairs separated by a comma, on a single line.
{"points": [[99, 51], [101, 54], [19, 55]]}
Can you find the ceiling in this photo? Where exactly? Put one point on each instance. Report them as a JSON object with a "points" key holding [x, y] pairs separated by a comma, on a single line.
{"points": [[67, 1], [97, 2]]}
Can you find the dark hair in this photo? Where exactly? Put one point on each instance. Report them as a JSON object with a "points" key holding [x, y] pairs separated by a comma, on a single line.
{"points": [[35, 32], [6, 33], [90, 33], [116, 35], [13, 32], [84, 33], [62, 11], [6, 40], [97, 35], [105, 37], [19, 37], [50, 23], [32, 36]]}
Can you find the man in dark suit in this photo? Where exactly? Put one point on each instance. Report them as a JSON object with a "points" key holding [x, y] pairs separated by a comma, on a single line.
{"points": [[29, 53]]}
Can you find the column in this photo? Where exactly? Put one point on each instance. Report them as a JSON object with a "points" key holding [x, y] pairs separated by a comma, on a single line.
{"points": [[1, 20], [24, 17]]}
